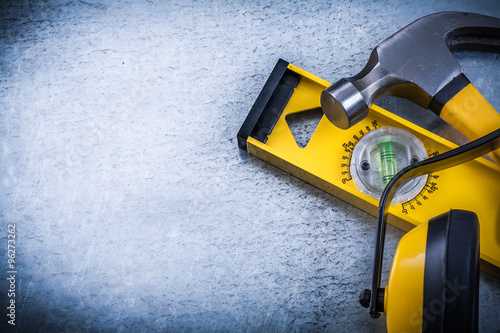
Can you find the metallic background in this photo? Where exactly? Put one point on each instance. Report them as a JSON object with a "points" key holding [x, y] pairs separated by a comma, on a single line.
{"points": [[136, 211]]}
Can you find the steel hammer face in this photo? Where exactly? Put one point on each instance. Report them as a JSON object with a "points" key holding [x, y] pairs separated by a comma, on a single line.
{"points": [[416, 63]]}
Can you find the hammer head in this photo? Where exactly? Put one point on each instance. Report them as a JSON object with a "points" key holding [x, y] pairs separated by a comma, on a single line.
{"points": [[415, 63]]}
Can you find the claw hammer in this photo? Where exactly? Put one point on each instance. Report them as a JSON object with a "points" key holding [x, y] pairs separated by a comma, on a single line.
{"points": [[416, 63]]}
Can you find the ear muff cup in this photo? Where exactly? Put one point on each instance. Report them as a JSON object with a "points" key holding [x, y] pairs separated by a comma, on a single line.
{"points": [[451, 274]]}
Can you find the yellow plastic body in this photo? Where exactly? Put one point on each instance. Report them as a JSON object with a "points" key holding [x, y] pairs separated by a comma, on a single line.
{"points": [[404, 293], [471, 114], [324, 163]]}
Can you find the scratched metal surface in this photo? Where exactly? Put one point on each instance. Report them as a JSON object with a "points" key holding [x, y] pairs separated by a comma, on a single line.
{"points": [[134, 209]]}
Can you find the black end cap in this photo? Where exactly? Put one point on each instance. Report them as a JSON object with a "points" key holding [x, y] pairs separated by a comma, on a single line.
{"points": [[364, 298], [366, 295], [258, 111]]}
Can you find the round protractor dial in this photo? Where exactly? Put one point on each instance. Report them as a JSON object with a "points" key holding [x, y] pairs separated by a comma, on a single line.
{"points": [[380, 155]]}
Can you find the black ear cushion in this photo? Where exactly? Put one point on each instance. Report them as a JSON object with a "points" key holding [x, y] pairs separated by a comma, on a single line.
{"points": [[451, 275]]}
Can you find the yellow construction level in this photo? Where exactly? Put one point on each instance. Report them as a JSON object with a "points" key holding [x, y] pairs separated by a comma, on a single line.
{"points": [[325, 161]]}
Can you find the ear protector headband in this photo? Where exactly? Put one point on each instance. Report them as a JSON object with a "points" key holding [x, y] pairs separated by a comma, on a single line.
{"points": [[434, 278]]}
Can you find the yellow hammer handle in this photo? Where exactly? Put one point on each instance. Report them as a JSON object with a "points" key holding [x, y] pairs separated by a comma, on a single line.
{"points": [[471, 114]]}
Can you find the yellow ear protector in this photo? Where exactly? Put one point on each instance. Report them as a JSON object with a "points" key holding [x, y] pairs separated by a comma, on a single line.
{"points": [[434, 280]]}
